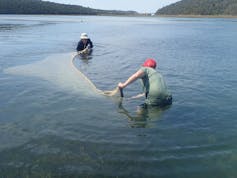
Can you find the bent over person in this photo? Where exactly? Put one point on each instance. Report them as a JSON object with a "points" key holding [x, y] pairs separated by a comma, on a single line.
{"points": [[154, 86], [84, 43]]}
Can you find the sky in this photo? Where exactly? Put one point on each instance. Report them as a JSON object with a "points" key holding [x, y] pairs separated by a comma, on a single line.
{"points": [[142, 6]]}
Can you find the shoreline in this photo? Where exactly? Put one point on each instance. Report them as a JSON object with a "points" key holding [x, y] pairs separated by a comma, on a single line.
{"points": [[140, 15], [199, 16]]}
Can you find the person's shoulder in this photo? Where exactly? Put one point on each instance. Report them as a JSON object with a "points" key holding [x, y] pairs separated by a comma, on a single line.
{"points": [[145, 69], [149, 71]]}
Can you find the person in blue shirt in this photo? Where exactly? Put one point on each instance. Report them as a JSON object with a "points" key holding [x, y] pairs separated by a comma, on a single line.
{"points": [[85, 45]]}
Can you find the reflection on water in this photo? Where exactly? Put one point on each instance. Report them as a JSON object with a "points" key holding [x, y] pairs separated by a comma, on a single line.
{"points": [[15, 25], [8, 27], [142, 116], [84, 58]]}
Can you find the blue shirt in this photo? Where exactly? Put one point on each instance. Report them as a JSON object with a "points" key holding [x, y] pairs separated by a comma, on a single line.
{"points": [[81, 45]]}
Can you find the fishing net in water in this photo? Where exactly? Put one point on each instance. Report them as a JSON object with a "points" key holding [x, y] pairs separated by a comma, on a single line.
{"points": [[114, 92]]}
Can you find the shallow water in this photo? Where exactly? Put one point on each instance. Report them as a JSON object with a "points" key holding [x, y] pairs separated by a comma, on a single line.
{"points": [[53, 124]]}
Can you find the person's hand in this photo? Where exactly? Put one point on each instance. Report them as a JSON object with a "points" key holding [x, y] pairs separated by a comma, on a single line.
{"points": [[120, 85]]}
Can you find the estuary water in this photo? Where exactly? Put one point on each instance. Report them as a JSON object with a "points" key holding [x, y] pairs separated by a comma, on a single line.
{"points": [[53, 124]]}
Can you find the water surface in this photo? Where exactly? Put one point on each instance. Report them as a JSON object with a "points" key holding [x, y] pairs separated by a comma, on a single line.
{"points": [[52, 124]]}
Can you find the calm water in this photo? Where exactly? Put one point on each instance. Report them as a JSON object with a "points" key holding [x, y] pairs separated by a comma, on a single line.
{"points": [[52, 124]]}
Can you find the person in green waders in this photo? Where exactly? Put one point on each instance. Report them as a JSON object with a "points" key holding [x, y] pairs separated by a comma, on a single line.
{"points": [[154, 86]]}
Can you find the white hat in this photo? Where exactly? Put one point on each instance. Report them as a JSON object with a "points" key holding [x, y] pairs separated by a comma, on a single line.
{"points": [[84, 36]]}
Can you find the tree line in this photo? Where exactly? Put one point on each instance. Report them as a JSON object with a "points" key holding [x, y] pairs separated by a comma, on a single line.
{"points": [[45, 7], [200, 7]]}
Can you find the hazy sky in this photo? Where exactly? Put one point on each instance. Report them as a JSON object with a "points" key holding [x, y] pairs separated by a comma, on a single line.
{"points": [[149, 6]]}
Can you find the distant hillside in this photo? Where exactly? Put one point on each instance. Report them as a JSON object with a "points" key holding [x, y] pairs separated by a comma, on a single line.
{"points": [[200, 7], [45, 7]]}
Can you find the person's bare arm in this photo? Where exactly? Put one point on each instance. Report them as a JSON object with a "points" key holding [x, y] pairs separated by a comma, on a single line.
{"points": [[131, 79]]}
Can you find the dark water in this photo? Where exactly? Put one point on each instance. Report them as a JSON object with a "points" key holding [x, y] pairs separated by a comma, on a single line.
{"points": [[53, 125]]}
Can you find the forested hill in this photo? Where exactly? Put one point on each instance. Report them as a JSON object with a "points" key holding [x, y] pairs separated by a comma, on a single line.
{"points": [[45, 7], [200, 7]]}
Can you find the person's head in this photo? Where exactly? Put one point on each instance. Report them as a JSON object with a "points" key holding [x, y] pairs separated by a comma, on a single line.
{"points": [[84, 37], [149, 62]]}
